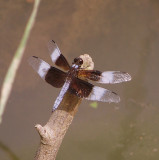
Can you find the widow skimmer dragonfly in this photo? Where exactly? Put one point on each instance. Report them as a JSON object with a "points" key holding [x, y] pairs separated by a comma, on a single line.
{"points": [[74, 78]]}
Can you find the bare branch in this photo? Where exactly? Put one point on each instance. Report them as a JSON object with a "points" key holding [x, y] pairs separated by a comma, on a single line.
{"points": [[53, 132]]}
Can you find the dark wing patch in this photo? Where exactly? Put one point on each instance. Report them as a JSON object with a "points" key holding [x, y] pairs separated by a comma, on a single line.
{"points": [[80, 88], [55, 77], [50, 74], [57, 56], [93, 75]]}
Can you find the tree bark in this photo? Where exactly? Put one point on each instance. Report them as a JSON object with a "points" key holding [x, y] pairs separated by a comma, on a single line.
{"points": [[54, 131]]}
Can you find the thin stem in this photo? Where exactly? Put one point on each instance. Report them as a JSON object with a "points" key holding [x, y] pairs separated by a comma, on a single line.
{"points": [[10, 76]]}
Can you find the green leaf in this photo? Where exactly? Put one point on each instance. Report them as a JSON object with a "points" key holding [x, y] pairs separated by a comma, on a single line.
{"points": [[94, 105]]}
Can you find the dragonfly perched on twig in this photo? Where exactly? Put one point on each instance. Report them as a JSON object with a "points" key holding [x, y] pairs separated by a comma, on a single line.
{"points": [[74, 78]]}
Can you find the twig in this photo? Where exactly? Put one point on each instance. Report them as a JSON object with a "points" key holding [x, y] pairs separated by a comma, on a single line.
{"points": [[53, 132]]}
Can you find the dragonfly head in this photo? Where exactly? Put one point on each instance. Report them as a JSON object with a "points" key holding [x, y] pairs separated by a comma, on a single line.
{"points": [[77, 62]]}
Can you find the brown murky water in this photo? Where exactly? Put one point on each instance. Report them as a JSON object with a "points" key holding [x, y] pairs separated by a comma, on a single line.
{"points": [[119, 35]]}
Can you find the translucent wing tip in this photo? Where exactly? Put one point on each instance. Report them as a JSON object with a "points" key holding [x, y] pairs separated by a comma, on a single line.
{"points": [[103, 95], [126, 76], [115, 98], [114, 77], [32, 60]]}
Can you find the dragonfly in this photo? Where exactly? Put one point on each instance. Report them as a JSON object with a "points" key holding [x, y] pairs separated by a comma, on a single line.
{"points": [[75, 78]]}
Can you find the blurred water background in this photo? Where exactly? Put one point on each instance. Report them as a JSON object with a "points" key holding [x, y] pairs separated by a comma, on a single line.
{"points": [[119, 35]]}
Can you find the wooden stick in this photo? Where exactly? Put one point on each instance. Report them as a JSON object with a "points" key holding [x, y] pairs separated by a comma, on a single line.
{"points": [[53, 132]]}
